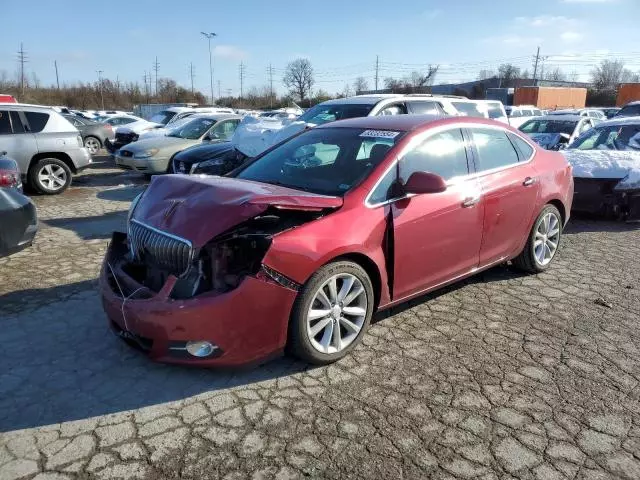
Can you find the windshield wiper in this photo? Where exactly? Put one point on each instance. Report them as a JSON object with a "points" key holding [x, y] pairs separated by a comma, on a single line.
{"points": [[281, 184]]}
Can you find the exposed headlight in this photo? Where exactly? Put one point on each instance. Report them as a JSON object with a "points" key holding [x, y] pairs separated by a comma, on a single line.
{"points": [[214, 162], [146, 154], [132, 207]]}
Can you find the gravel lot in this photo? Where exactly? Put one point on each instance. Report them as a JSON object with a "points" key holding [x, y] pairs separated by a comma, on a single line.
{"points": [[501, 376]]}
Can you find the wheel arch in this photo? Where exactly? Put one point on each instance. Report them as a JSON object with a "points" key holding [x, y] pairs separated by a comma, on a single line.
{"points": [[58, 155], [370, 267], [561, 208]]}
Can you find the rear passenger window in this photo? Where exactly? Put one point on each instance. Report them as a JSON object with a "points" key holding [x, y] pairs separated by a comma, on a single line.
{"points": [[425, 108], [443, 154], [523, 147], [37, 120], [5, 124], [16, 122], [494, 148]]}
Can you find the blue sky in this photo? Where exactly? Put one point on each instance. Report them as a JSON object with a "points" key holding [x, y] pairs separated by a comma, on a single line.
{"points": [[340, 37]]}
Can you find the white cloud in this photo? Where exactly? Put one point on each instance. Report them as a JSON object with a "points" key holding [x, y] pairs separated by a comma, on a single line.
{"points": [[545, 21], [229, 52], [571, 36]]}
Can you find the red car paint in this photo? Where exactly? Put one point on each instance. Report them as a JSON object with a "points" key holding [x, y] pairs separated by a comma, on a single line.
{"points": [[408, 246], [7, 98]]}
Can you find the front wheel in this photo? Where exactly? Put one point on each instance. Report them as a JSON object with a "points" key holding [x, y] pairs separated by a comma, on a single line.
{"points": [[543, 242], [50, 176], [331, 313]]}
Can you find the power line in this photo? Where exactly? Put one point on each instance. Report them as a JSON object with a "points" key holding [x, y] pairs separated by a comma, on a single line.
{"points": [[22, 59], [156, 67]]}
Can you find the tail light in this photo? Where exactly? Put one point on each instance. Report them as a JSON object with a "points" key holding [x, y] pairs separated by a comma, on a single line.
{"points": [[10, 178]]}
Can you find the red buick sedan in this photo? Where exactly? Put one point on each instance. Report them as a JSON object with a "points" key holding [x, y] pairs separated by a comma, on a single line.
{"points": [[299, 247]]}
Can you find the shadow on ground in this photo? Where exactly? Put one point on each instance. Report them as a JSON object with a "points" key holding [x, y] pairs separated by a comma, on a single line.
{"points": [[120, 194], [584, 223], [87, 228], [61, 363]]}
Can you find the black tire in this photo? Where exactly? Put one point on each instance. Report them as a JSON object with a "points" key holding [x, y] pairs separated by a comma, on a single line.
{"points": [[299, 343], [55, 164], [90, 142], [527, 261]]}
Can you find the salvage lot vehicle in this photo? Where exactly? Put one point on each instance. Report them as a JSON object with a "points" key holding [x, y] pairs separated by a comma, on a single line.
{"points": [[154, 155], [94, 134], [18, 218], [606, 169], [216, 159], [46, 146], [631, 109], [301, 245], [553, 132], [583, 112], [518, 114]]}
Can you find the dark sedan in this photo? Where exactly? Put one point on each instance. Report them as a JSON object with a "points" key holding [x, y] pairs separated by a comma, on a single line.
{"points": [[18, 219], [210, 159], [93, 134]]}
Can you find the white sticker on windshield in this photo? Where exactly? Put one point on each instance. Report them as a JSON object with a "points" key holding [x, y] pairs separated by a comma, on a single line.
{"points": [[379, 134]]}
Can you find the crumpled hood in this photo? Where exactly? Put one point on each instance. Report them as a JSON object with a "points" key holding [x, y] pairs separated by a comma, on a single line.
{"points": [[610, 164], [198, 208], [546, 140], [155, 142]]}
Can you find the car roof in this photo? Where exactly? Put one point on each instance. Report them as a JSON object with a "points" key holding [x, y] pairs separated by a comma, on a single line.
{"points": [[359, 100], [564, 117], [636, 102], [620, 121], [17, 106], [214, 116], [406, 123]]}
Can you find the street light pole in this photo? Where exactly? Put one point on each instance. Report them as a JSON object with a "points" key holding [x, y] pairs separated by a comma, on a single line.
{"points": [[209, 37], [99, 72]]}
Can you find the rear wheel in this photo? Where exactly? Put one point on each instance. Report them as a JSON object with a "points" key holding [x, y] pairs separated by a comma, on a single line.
{"points": [[331, 313], [50, 176], [92, 144], [543, 242]]}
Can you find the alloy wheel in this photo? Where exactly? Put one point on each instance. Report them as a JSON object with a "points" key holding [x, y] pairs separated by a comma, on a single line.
{"points": [[337, 313], [546, 240], [52, 177], [92, 145]]}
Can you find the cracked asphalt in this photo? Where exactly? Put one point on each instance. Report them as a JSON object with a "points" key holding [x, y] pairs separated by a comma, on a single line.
{"points": [[501, 376]]}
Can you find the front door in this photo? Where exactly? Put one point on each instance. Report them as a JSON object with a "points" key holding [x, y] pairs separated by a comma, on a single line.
{"points": [[436, 236], [509, 190]]}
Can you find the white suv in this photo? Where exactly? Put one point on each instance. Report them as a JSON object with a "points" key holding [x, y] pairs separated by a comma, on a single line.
{"points": [[518, 114], [47, 147]]}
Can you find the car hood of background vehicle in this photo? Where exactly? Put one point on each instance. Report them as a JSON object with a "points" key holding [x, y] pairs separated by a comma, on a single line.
{"points": [[609, 164], [138, 127], [546, 140], [200, 208], [157, 142], [205, 151]]}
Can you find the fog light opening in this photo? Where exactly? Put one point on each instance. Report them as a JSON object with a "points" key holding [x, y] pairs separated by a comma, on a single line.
{"points": [[201, 349]]}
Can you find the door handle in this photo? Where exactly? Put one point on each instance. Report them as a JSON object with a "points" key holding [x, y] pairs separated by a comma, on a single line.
{"points": [[470, 201], [529, 181]]}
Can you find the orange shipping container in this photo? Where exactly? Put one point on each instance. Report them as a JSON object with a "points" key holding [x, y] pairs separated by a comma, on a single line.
{"points": [[628, 92], [551, 97]]}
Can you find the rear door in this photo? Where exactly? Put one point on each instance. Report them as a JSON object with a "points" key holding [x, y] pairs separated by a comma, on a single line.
{"points": [[509, 190], [424, 107], [16, 138], [436, 236]]}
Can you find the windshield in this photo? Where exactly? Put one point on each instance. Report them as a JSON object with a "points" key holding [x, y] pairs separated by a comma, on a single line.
{"points": [[612, 137], [162, 117], [629, 111], [549, 126], [469, 109], [329, 113], [328, 161], [193, 129]]}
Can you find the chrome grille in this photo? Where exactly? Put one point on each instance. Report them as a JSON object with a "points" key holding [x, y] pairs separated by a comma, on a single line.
{"points": [[161, 249]]}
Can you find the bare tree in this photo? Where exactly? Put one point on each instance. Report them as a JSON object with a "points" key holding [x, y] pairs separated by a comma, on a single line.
{"points": [[360, 84], [508, 73], [346, 91], [486, 74], [556, 75], [573, 76], [419, 79], [298, 78], [609, 74], [525, 74]]}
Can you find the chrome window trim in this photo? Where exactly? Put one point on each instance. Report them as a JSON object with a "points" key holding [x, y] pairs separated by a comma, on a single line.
{"points": [[425, 135]]}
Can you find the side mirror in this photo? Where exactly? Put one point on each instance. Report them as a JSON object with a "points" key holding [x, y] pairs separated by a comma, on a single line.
{"points": [[425, 182]]}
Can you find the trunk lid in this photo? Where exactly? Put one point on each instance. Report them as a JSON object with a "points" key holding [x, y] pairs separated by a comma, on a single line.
{"points": [[200, 208]]}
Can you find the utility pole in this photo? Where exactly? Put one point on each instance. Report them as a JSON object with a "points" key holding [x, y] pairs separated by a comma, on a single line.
{"points": [[99, 72], [209, 37], [242, 70], [377, 70], [22, 58], [55, 64], [192, 75], [270, 71], [156, 67], [535, 67], [219, 89], [146, 85]]}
